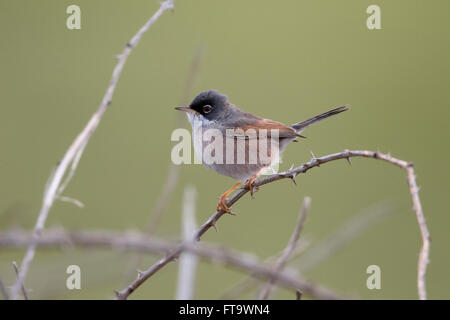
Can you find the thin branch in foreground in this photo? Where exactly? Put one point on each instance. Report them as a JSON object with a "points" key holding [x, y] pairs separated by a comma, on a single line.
{"points": [[16, 270], [281, 262], [76, 148], [291, 174], [188, 261], [140, 242]]}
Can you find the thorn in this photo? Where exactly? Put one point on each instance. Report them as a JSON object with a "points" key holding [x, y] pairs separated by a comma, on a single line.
{"points": [[213, 224], [348, 156], [299, 135], [140, 273], [117, 293], [293, 179], [313, 158], [349, 160]]}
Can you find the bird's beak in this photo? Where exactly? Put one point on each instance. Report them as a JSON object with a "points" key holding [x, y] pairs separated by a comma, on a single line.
{"points": [[185, 109]]}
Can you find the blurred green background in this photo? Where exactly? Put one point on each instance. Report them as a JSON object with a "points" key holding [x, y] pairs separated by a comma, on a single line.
{"points": [[282, 60]]}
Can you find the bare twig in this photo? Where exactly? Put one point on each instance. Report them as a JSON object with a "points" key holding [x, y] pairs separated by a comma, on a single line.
{"points": [[76, 202], [16, 270], [287, 252], [69, 177], [188, 261], [426, 238], [74, 152], [291, 174], [140, 242]]}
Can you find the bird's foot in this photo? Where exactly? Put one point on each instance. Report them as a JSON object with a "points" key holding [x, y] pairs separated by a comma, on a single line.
{"points": [[222, 205], [250, 185]]}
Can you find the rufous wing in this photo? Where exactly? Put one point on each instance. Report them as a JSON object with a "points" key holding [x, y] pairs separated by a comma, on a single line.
{"points": [[254, 127]]}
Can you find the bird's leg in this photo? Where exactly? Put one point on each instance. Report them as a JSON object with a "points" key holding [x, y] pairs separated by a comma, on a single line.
{"points": [[249, 184], [222, 205]]}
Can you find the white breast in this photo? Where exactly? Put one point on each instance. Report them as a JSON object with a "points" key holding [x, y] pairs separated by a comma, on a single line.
{"points": [[199, 124]]}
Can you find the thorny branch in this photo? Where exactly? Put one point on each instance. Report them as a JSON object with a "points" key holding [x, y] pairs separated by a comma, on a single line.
{"points": [[55, 185], [291, 174]]}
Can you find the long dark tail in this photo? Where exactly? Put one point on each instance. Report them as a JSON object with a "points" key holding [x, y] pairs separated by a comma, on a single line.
{"points": [[299, 127]]}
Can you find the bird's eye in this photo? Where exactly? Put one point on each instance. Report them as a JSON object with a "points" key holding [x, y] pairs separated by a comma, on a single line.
{"points": [[207, 108]]}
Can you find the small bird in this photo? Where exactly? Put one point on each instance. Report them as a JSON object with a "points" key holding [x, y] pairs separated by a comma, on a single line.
{"points": [[211, 110]]}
